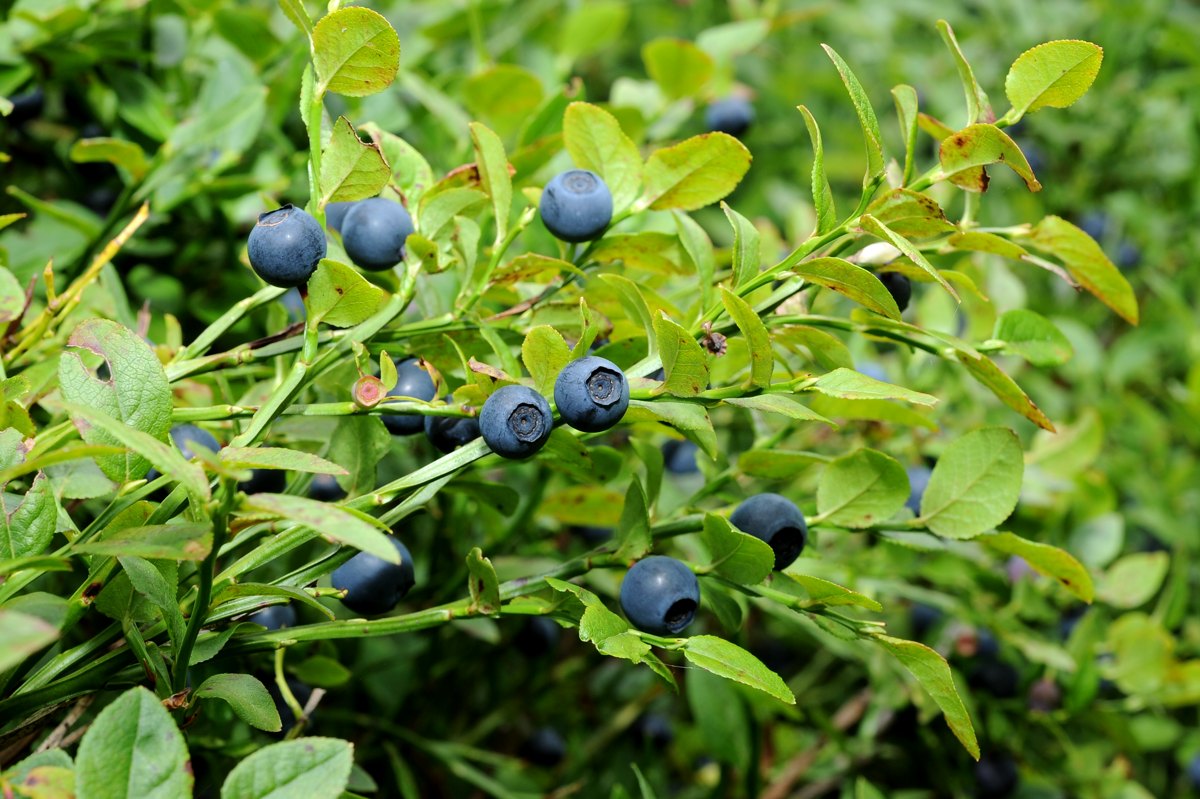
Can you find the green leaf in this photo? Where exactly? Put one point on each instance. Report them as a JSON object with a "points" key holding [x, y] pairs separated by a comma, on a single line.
{"points": [[298, 14], [27, 526], [683, 359], [979, 108], [776, 464], [328, 520], [351, 169], [360, 443], [933, 673], [320, 671], [687, 417], [746, 252], [411, 173], [585, 505], [985, 370], [848, 384], [23, 635], [505, 95], [853, 281], [866, 116], [593, 26], [1134, 579], [861, 489], [338, 295], [734, 663], [635, 306], [975, 484], [152, 584], [696, 172], [1051, 75], [977, 241], [736, 556], [355, 52], [493, 174], [483, 583], [1051, 561], [907, 109], [437, 210], [595, 141], [649, 250], [785, 404], [247, 696], [910, 214], [964, 155], [12, 297], [1034, 337], [181, 541], [880, 230], [680, 68], [824, 592], [822, 194], [168, 460], [313, 768], [722, 717], [644, 788], [699, 248], [133, 750], [1086, 263], [544, 353], [724, 42], [136, 392], [119, 152], [633, 532], [277, 458], [758, 340]]}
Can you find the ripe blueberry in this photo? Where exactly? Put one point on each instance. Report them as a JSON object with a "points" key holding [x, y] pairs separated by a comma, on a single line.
{"points": [[374, 232], [874, 370], [335, 215], [544, 748], [1095, 224], [996, 776], [593, 535], [265, 481], [293, 303], [591, 394], [924, 618], [185, 437], [995, 677], [411, 381], [448, 433], [775, 520], [654, 730], [516, 421], [732, 115], [275, 617], [576, 206], [285, 246], [539, 636], [1193, 771], [899, 286], [324, 488], [372, 585], [918, 481], [660, 595], [679, 457]]}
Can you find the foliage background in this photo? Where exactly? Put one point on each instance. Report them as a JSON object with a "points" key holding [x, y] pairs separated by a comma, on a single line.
{"points": [[1117, 488]]}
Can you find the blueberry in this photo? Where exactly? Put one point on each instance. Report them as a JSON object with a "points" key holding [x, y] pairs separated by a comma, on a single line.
{"points": [[995, 776], [873, 370], [26, 106], [1128, 255], [679, 457], [448, 433], [775, 520], [1095, 224], [591, 394], [539, 636], [374, 232], [918, 481], [275, 617], [1070, 620], [593, 535], [545, 747], [924, 618], [265, 481], [516, 421], [185, 437], [325, 488], [335, 215], [1033, 154], [285, 246], [986, 645], [899, 286], [732, 115], [1193, 771], [1045, 695], [576, 206], [660, 595], [372, 585], [995, 677], [653, 730], [411, 381]]}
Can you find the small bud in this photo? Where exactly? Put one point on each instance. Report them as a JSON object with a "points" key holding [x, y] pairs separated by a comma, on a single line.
{"points": [[369, 391]]}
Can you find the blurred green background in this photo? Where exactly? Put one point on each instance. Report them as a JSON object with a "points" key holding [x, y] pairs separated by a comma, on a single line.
{"points": [[208, 89]]}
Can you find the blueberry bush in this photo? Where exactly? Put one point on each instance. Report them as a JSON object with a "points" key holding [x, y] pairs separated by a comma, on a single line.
{"points": [[597, 398]]}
